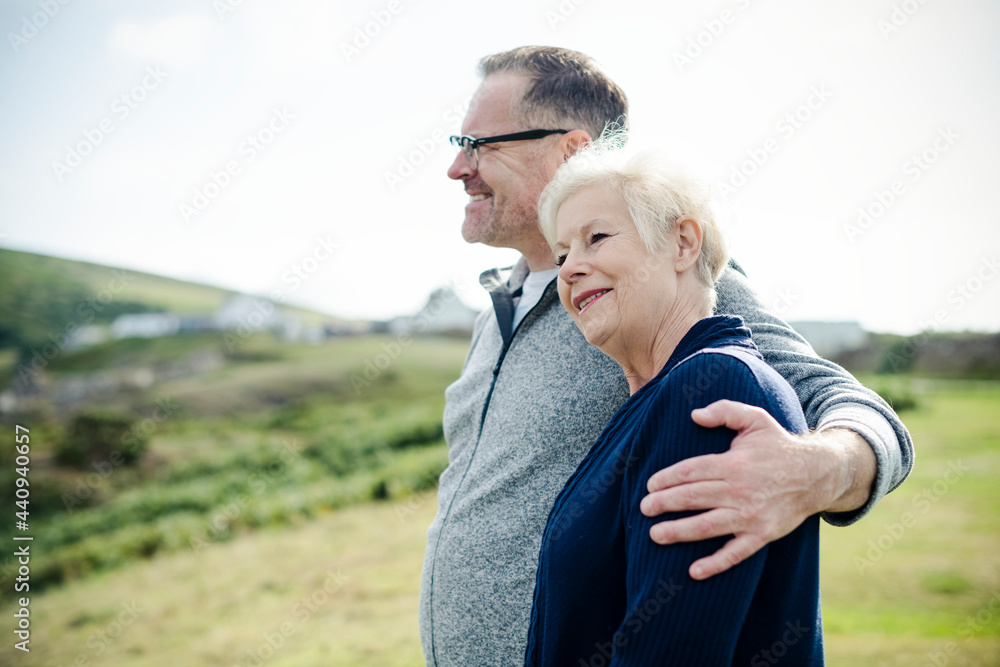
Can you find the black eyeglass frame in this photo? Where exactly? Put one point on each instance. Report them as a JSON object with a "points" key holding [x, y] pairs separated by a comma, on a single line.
{"points": [[469, 145]]}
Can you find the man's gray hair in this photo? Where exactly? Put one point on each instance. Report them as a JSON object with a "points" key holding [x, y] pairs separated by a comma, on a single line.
{"points": [[567, 90], [656, 195]]}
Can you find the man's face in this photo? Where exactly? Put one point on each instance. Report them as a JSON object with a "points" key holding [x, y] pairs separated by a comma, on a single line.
{"points": [[504, 190]]}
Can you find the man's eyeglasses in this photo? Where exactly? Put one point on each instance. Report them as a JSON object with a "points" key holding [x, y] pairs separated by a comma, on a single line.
{"points": [[470, 145]]}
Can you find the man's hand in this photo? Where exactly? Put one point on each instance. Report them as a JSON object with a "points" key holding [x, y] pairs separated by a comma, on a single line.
{"points": [[763, 488]]}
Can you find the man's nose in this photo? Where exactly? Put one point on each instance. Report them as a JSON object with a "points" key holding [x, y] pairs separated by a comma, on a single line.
{"points": [[461, 168]]}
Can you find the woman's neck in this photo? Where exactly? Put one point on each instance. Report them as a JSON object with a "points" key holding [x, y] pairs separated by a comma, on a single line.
{"points": [[642, 360]]}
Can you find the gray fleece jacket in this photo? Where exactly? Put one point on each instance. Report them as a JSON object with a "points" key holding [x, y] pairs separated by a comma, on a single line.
{"points": [[524, 413]]}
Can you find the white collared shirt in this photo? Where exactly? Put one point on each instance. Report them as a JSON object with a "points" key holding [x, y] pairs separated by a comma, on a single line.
{"points": [[531, 291]]}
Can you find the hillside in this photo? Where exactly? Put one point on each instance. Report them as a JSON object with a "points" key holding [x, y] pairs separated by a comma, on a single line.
{"points": [[42, 296], [152, 290]]}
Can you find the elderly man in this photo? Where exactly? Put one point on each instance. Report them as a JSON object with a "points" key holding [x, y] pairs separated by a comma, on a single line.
{"points": [[533, 395]]}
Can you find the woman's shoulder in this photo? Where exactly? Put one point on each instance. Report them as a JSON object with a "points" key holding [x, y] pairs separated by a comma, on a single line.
{"points": [[729, 372], [736, 359], [664, 432], [713, 366]]}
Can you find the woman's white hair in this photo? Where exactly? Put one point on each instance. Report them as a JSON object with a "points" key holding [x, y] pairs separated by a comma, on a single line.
{"points": [[656, 195]]}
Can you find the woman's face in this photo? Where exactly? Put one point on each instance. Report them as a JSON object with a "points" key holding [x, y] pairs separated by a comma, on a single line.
{"points": [[616, 291]]}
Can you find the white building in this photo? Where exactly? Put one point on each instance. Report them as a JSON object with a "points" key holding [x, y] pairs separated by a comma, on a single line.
{"points": [[829, 338], [145, 325], [245, 311], [444, 314], [87, 335]]}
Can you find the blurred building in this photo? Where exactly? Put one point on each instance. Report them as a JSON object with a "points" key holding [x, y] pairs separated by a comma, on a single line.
{"points": [[831, 338], [444, 314], [87, 335], [145, 325]]}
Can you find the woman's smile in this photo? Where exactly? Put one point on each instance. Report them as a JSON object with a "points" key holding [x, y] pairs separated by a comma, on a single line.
{"points": [[584, 300]]}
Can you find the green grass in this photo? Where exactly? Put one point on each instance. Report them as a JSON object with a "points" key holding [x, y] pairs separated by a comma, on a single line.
{"points": [[212, 607], [357, 499], [925, 580], [290, 441]]}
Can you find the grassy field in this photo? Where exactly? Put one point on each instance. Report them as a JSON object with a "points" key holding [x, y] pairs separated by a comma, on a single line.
{"points": [[322, 566], [919, 579]]}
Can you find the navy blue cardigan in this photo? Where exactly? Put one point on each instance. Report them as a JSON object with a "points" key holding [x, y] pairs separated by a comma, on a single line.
{"points": [[605, 593]]}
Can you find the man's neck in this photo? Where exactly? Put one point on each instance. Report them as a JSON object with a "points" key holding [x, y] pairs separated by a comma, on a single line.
{"points": [[539, 257]]}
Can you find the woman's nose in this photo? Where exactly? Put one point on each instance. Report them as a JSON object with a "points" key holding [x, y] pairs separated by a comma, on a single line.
{"points": [[572, 268]]}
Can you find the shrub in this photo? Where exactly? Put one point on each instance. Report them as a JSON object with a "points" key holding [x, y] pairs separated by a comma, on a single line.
{"points": [[98, 436], [900, 357], [899, 399]]}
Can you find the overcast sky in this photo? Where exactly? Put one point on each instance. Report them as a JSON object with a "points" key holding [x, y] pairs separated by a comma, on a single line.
{"points": [[230, 142]]}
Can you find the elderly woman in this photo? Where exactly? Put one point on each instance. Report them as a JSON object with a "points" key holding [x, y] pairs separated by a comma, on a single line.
{"points": [[639, 253]]}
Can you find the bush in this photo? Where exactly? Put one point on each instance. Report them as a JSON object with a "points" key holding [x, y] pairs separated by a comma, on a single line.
{"points": [[900, 357], [98, 436], [899, 399]]}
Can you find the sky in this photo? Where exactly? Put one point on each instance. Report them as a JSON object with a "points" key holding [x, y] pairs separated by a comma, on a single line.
{"points": [[300, 147]]}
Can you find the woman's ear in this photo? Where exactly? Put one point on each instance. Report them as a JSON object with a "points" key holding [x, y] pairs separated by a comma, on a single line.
{"points": [[688, 233]]}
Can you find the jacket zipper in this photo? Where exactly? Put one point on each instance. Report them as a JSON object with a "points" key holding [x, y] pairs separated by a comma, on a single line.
{"points": [[472, 456]]}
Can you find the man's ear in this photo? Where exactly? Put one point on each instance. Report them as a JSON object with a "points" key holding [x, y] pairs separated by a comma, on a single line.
{"points": [[688, 233], [573, 141]]}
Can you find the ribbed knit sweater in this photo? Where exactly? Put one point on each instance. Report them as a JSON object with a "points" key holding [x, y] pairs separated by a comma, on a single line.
{"points": [[607, 594]]}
